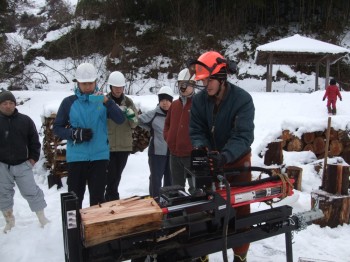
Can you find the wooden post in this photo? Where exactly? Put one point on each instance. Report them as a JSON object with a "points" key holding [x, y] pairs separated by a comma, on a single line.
{"points": [[317, 75], [296, 173], [326, 149], [274, 153]]}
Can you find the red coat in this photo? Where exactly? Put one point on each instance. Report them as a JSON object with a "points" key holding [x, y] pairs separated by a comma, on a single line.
{"points": [[176, 128], [332, 92]]}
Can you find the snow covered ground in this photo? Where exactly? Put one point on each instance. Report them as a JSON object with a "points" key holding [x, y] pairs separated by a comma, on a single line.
{"points": [[274, 112], [289, 106]]}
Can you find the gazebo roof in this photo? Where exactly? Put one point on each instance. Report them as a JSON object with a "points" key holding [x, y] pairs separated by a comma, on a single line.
{"points": [[298, 49]]}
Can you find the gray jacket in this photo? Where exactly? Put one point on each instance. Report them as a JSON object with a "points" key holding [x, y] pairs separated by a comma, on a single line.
{"points": [[153, 121]]}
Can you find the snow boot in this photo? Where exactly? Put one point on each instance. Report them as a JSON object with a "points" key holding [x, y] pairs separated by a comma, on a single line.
{"points": [[240, 258], [329, 110], [334, 111], [42, 218], [10, 220]]}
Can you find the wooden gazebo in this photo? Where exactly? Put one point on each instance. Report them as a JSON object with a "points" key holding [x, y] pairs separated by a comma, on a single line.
{"points": [[298, 49]]}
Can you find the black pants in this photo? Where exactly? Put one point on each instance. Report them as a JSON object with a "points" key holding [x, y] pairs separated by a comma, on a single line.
{"points": [[93, 173], [116, 166], [160, 170]]}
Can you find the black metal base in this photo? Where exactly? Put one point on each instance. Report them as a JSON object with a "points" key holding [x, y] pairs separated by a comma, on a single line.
{"points": [[182, 238]]}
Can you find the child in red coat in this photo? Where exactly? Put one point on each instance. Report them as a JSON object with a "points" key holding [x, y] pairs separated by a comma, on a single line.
{"points": [[332, 92]]}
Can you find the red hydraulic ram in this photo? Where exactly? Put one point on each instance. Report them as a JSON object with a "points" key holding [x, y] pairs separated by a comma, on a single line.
{"points": [[241, 196]]}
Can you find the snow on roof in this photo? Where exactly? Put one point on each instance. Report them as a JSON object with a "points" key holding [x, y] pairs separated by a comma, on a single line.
{"points": [[302, 44]]}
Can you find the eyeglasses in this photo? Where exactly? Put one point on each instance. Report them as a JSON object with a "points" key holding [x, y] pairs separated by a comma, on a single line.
{"points": [[182, 85]]}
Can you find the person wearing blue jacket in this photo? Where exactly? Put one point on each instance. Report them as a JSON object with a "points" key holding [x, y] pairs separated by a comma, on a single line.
{"points": [[222, 122], [82, 121]]}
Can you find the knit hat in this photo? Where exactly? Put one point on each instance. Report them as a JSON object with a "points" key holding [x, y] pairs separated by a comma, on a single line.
{"points": [[165, 96], [333, 82], [7, 95]]}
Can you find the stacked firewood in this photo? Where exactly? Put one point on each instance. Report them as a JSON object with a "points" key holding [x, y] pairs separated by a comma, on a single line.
{"points": [[140, 139], [339, 143], [54, 149]]}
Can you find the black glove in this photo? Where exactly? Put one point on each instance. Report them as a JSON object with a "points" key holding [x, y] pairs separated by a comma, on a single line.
{"points": [[341, 99], [80, 135], [323, 99], [216, 159]]}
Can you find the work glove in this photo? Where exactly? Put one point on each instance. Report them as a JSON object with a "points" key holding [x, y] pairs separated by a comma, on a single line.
{"points": [[130, 114], [216, 159], [80, 135], [323, 99]]}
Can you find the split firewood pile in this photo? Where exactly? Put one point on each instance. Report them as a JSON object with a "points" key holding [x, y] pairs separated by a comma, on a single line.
{"points": [[140, 139], [54, 149], [339, 143]]}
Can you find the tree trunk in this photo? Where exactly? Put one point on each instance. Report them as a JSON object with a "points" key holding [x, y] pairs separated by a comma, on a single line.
{"points": [[336, 179], [309, 147], [319, 145], [336, 209], [335, 148], [296, 173], [295, 145], [308, 137], [274, 154]]}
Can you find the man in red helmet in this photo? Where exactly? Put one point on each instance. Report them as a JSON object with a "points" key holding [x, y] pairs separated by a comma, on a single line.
{"points": [[222, 121]]}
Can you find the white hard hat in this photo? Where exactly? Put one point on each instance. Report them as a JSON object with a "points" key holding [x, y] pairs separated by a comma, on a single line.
{"points": [[116, 78], [185, 75], [166, 90], [86, 72]]}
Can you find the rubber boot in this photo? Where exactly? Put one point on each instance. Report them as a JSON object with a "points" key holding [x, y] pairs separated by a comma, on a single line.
{"points": [[10, 220], [42, 218], [329, 110], [240, 257], [334, 111]]}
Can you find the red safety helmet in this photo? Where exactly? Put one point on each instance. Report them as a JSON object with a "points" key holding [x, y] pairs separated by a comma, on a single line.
{"points": [[209, 64]]}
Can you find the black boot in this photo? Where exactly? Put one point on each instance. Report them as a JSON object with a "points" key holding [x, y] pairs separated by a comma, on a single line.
{"points": [[329, 110], [240, 258], [334, 111]]}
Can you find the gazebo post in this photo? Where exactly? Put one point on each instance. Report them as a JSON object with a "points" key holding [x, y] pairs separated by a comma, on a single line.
{"points": [[327, 73], [269, 75], [317, 75]]}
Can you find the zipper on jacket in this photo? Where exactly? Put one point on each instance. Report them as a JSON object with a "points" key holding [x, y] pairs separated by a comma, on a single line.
{"points": [[213, 125]]}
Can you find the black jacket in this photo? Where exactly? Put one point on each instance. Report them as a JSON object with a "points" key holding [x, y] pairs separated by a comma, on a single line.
{"points": [[19, 139]]}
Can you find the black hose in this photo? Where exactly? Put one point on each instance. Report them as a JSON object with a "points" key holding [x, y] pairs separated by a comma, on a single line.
{"points": [[227, 216]]}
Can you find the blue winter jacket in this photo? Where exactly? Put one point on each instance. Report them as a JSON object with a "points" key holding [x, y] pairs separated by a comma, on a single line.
{"points": [[229, 131], [77, 111]]}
